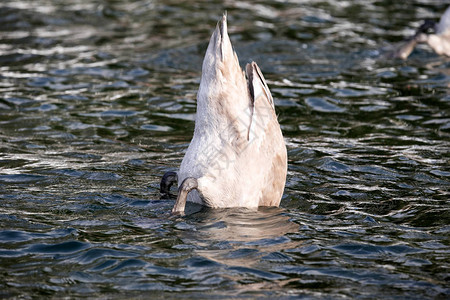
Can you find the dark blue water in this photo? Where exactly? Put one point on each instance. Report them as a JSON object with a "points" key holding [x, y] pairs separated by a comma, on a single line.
{"points": [[97, 101]]}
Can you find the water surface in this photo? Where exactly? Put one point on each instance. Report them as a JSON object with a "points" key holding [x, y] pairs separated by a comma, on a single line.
{"points": [[97, 101]]}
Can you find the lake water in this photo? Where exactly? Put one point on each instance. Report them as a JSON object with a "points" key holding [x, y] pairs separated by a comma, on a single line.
{"points": [[97, 102]]}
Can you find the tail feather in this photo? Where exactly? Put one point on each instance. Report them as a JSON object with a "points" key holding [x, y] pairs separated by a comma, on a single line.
{"points": [[257, 84], [262, 110]]}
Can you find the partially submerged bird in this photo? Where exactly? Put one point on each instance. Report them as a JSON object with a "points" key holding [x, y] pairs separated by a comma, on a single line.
{"points": [[237, 157], [436, 35]]}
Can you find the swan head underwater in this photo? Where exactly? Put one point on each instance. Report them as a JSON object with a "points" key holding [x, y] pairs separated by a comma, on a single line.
{"points": [[237, 156], [436, 35]]}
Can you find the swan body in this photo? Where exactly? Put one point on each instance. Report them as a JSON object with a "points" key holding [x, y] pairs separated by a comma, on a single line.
{"points": [[237, 156], [438, 39]]}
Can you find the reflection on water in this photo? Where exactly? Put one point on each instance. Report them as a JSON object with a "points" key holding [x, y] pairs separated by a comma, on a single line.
{"points": [[97, 101], [241, 224], [238, 237]]}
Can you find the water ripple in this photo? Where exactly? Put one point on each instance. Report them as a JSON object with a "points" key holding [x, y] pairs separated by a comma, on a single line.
{"points": [[98, 100]]}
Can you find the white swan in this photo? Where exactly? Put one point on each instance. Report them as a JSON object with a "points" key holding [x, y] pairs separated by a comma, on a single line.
{"points": [[437, 36], [237, 157]]}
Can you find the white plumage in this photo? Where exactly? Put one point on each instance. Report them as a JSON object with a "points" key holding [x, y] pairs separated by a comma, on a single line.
{"points": [[237, 156]]}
